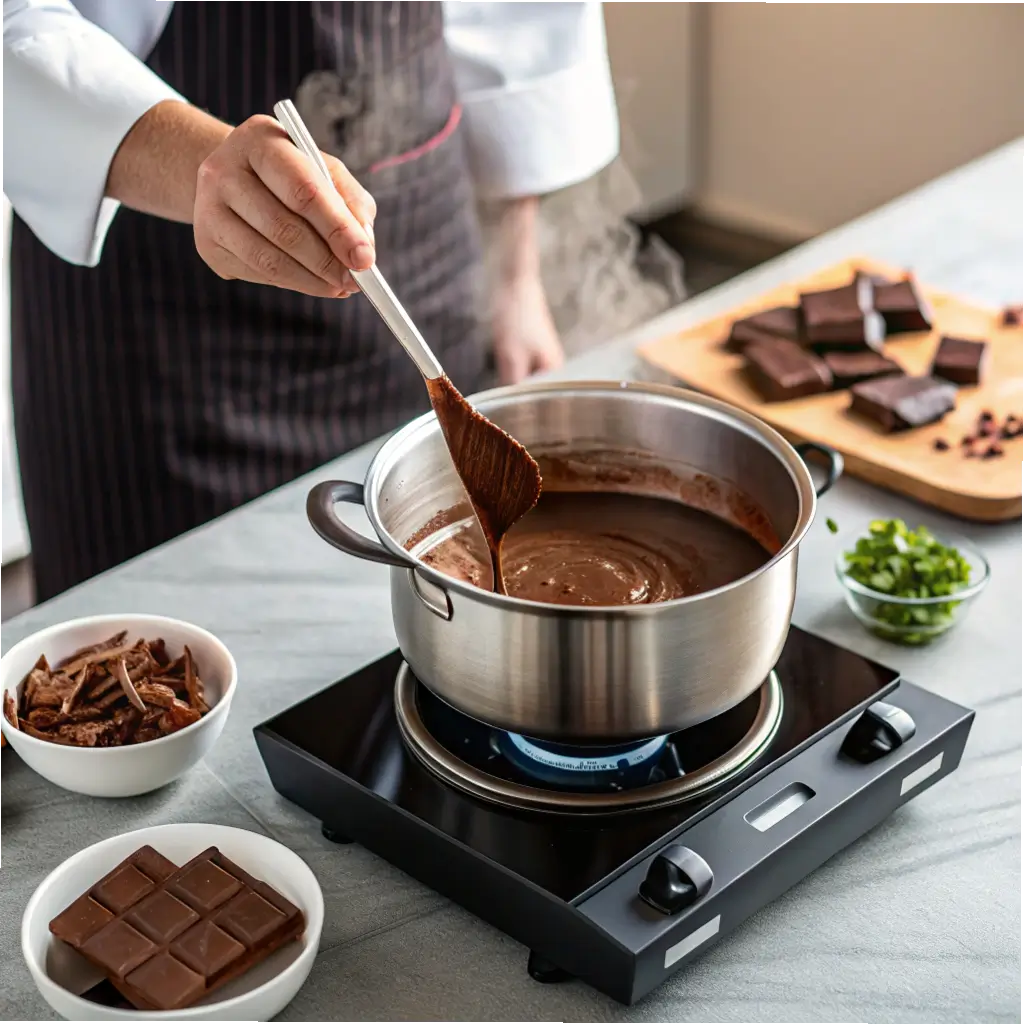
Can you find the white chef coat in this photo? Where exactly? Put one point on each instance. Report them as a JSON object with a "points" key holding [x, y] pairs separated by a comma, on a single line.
{"points": [[533, 78]]}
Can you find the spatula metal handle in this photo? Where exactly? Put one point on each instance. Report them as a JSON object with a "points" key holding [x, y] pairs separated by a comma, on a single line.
{"points": [[371, 282]]}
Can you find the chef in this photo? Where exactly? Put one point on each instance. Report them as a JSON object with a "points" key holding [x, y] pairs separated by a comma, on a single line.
{"points": [[192, 352]]}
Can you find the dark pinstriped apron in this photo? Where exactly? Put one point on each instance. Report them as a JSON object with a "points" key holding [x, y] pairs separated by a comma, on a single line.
{"points": [[149, 395]]}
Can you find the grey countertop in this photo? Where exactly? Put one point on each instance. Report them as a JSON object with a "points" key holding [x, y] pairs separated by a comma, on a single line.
{"points": [[918, 921]]}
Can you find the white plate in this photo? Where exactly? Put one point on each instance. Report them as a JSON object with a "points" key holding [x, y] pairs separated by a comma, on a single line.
{"points": [[60, 973]]}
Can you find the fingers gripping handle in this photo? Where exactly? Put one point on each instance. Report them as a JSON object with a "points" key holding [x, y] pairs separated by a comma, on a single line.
{"points": [[371, 282]]}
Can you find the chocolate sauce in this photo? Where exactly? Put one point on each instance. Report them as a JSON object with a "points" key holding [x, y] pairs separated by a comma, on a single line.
{"points": [[604, 549]]}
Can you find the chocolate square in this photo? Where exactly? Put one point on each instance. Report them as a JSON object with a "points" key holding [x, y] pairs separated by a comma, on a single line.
{"points": [[862, 332], [204, 886], [842, 317], [849, 368], [250, 918], [902, 306], [85, 917], [167, 982], [784, 370], [899, 403], [778, 322], [121, 888], [152, 864], [207, 949], [960, 360], [161, 917], [118, 948]]}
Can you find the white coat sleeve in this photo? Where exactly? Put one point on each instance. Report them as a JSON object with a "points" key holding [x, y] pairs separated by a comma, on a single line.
{"points": [[71, 94], [536, 91]]}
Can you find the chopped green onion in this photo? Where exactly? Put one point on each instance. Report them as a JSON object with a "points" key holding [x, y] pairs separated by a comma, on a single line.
{"points": [[898, 562]]}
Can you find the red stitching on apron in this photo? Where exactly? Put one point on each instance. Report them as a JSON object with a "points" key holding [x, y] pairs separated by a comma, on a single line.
{"points": [[414, 154]]}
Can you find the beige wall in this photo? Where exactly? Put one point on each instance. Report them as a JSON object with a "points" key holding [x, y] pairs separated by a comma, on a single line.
{"points": [[820, 112], [650, 49]]}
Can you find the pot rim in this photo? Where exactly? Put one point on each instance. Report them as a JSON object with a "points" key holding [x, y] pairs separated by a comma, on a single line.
{"points": [[776, 444]]}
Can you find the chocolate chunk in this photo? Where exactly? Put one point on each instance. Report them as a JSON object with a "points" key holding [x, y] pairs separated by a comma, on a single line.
{"points": [[842, 317], [82, 919], [1013, 426], [778, 322], [940, 445], [903, 307], [898, 403], [118, 948], [102, 695], [166, 983], [1013, 316], [161, 917], [993, 451], [960, 360], [785, 370], [849, 368], [167, 937]]}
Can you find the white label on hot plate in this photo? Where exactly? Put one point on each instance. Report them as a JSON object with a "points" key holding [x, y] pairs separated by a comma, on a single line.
{"points": [[918, 775], [692, 941]]}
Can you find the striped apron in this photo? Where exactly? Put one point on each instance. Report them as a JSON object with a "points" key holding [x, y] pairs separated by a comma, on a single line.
{"points": [[151, 396]]}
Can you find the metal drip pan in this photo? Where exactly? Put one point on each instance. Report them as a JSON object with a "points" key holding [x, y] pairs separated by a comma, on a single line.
{"points": [[507, 793]]}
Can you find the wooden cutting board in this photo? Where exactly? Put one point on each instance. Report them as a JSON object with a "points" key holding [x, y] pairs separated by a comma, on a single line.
{"points": [[987, 490]]}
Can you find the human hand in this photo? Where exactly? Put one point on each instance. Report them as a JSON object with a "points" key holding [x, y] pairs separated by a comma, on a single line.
{"points": [[264, 214], [525, 338]]}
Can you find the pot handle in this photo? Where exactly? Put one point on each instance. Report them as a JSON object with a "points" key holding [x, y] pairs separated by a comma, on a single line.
{"points": [[320, 512], [835, 463]]}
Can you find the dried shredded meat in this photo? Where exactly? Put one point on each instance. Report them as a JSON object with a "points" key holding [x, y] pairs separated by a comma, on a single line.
{"points": [[109, 694]]}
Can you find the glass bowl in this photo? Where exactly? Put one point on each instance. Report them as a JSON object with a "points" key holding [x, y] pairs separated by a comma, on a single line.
{"points": [[911, 621]]}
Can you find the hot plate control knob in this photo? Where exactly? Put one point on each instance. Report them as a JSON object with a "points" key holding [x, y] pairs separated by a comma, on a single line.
{"points": [[676, 879], [879, 731]]}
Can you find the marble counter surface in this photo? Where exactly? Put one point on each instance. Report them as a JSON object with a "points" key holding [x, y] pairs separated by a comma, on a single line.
{"points": [[918, 921]]}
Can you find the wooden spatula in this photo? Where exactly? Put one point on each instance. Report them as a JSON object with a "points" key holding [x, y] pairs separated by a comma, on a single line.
{"points": [[501, 478]]}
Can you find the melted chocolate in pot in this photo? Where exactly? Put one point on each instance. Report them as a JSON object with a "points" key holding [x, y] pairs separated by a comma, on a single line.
{"points": [[586, 548]]}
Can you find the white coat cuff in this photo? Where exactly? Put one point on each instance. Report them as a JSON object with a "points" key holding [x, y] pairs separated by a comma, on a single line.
{"points": [[543, 135], [71, 94]]}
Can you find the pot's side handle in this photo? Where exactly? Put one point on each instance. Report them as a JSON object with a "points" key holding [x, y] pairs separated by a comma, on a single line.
{"points": [[835, 463], [320, 512]]}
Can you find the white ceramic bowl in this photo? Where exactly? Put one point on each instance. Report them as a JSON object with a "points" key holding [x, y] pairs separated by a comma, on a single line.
{"points": [[60, 973], [138, 768]]}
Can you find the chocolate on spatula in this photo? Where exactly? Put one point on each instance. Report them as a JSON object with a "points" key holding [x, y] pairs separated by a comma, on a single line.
{"points": [[166, 937], [501, 478], [899, 403]]}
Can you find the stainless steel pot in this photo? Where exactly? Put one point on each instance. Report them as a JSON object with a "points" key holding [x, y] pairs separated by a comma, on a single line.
{"points": [[588, 675]]}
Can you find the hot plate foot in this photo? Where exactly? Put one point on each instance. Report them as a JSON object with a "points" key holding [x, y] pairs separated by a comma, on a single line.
{"points": [[544, 971], [334, 836]]}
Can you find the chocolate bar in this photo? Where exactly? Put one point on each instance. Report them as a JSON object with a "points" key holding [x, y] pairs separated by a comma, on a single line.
{"points": [[849, 368], [779, 322], [166, 937], [899, 403], [902, 306], [843, 317], [784, 370], [960, 360]]}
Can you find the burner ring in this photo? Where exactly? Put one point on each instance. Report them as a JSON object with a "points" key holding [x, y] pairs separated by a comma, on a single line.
{"points": [[451, 769]]}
